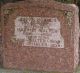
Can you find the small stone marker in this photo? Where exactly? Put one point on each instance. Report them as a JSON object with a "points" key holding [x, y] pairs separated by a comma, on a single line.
{"points": [[41, 35]]}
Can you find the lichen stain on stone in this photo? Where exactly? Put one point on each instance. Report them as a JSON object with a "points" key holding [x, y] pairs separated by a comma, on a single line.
{"points": [[69, 16]]}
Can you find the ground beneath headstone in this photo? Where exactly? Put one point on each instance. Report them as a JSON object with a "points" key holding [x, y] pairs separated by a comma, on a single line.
{"points": [[10, 71], [2, 70]]}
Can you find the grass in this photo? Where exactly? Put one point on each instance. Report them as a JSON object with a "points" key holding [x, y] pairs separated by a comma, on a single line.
{"points": [[10, 71], [78, 70], [27, 71]]}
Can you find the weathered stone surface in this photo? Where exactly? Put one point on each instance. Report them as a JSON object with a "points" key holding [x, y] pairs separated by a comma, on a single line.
{"points": [[0, 38], [40, 35]]}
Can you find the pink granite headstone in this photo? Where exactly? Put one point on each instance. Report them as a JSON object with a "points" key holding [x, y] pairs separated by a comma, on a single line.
{"points": [[41, 35]]}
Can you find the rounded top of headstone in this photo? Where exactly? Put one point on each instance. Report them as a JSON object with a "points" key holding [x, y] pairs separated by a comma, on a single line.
{"points": [[42, 3], [75, 7]]}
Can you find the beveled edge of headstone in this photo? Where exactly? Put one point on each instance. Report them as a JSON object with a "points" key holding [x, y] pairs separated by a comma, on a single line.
{"points": [[43, 4]]}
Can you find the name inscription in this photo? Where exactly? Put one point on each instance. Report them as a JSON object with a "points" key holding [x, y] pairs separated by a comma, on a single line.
{"points": [[39, 32]]}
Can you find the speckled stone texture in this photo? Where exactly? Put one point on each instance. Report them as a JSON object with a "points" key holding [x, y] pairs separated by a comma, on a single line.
{"points": [[41, 58], [0, 39]]}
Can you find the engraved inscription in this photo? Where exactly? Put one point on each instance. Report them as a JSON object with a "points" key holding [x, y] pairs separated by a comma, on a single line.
{"points": [[39, 32]]}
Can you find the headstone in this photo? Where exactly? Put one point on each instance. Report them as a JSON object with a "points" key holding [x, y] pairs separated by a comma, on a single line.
{"points": [[41, 35]]}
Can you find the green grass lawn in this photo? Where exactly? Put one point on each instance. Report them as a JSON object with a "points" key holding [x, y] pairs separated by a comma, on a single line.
{"points": [[10, 71], [26, 71], [78, 70]]}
